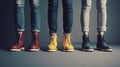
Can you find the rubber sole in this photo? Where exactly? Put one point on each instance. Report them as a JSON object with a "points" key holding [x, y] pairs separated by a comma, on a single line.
{"points": [[88, 50], [34, 50], [52, 50], [68, 50], [16, 50], [106, 50]]}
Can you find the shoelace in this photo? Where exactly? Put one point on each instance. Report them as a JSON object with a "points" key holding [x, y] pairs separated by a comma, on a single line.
{"points": [[19, 39], [52, 39], [67, 39], [35, 39]]}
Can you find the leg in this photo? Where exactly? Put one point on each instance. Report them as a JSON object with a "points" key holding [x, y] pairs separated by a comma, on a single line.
{"points": [[35, 15], [52, 21], [19, 10], [102, 20], [85, 15], [85, 19], [67, 25], [67, 16], [18, 45], [101, 15], [52, 15], [35, 23]]}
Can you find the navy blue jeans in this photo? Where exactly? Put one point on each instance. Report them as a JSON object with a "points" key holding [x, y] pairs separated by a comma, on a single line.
{"points": [[35, 15], [53, 15]]}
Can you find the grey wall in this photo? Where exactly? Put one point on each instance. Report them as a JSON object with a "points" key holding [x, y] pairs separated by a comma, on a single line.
{"points": [[7, 23]]}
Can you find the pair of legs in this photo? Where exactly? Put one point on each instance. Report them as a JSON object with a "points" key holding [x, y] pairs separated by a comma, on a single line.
{"points": [[67, 24], [20, 24], [101, 24]]}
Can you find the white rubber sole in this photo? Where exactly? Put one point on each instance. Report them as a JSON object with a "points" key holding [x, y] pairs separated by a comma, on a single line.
{"points": [[16, 50], [34, 50], [88, 50], [107, 50], [51, 50], [68, 50]]}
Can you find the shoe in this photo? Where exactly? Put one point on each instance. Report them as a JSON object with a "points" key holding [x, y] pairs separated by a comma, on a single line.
{"points": [[67, 45], [102, 44], [52, 46], [35, 44], [18, 46], [86, 46]]}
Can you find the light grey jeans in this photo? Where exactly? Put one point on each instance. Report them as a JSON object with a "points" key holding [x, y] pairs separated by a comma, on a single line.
{"points": [[101, 15]]}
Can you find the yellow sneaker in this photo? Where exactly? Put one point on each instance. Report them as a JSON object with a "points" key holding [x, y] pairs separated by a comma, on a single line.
{"points": [[53, 43], [67, 45]]}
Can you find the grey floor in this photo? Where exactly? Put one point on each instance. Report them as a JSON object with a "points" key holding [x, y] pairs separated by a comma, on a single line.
{"points": [[61, 59]]}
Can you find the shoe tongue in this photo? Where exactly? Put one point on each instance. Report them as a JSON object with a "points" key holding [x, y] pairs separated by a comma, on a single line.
{"points": [[67, 39], [52, 38]]}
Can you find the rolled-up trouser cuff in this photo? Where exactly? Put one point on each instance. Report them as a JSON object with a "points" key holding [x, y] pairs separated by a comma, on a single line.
{"points": [[20, 30], [84, 29], [67, 33], [101, 29], [52, 34], [36, 30]]}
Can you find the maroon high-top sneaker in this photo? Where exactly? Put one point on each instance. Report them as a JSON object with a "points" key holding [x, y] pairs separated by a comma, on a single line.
{"points": [[35, 44], [18, 46]]}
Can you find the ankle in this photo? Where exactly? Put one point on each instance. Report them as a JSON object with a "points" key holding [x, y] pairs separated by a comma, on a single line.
{"points": [[85, 33], [101, 33], [20, 32]]}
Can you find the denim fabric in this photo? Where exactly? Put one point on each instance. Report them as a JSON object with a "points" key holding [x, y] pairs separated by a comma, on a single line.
{"points": [[35, 15], [53, 15]]}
